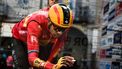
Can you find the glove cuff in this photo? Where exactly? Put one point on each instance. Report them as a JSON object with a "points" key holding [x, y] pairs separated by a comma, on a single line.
{"points": [[37, 62], [41, 64]]}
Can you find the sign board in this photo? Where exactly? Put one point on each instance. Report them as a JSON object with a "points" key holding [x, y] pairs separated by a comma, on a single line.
{"points": [[102, 53], [101, 65], [110, 40], [119, 21], [103, 42], [115, 65], [116, 25], [108, 65], [116, 52], [109, 53], [15, 10], [118, 38], [104, 65]]}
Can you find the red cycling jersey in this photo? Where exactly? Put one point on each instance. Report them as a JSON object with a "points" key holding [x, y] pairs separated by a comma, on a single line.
{"points": [[34, 31]]}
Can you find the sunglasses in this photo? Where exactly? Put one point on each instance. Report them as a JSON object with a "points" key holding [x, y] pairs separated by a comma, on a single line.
{"points": [[58, 29]]}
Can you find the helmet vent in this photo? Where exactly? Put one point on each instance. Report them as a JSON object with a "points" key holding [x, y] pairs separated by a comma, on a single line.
{"points": [[66, 14]]}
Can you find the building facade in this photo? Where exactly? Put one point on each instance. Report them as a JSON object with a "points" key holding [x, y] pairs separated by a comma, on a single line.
{"points": [[110, 49]]}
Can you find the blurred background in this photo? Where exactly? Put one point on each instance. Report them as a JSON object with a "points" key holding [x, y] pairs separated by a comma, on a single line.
{"points": [[96, 37]]}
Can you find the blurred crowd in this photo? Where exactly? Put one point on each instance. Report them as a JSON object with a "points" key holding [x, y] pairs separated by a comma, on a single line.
{"points": [[5, 59]]}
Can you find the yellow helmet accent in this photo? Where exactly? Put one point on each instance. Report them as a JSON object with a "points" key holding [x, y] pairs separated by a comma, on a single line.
{"points": [[61, 15]]}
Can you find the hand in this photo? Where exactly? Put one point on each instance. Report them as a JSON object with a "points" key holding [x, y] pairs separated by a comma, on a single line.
{"points": [[66, 61]]}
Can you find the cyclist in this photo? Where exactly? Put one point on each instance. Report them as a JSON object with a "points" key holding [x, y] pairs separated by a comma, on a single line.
{"points": [[38, 38]]}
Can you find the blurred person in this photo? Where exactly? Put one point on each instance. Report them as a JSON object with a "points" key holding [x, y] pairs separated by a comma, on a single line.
{"points": [[9, 62], [38, 38]]}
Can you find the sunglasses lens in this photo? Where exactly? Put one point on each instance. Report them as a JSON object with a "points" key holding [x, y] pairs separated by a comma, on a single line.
{"points": [[59, 29]]}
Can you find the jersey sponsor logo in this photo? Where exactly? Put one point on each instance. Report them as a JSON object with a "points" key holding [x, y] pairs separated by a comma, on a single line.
{"points": [[33, 39], [22, 32]]}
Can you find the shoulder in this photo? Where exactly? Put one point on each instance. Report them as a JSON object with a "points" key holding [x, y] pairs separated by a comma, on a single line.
{"points": [[39, 15]]}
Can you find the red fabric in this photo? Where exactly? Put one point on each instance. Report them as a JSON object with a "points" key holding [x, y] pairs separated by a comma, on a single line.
{"points": [[31, 57], [33, 34]]}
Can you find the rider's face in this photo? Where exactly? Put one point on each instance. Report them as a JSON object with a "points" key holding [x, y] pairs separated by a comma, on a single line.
{"points": [[56, 31]]}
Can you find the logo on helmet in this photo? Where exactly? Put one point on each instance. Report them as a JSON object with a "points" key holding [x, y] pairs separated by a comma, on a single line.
{"points": [[66, 22]]}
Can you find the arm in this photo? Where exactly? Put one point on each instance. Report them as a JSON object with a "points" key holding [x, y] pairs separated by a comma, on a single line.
{"points": [[34, 31], [32, 41]]}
